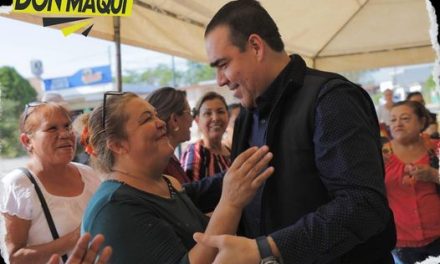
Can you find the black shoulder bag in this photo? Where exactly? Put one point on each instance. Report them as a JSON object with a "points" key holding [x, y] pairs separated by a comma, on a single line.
{"points": [[46, 211]]}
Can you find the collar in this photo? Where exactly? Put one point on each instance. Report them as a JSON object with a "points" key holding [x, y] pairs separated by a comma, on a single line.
{"points": [[291, 72]]}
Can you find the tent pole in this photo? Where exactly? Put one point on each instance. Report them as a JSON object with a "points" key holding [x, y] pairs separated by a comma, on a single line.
{"points": [[117, 39]]}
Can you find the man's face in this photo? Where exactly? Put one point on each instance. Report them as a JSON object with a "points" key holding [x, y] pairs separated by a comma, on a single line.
{"points": [[234, 68]]}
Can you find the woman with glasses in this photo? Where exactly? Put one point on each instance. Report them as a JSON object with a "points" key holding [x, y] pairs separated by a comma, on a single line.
{"points": [[47, 136], [173, 108], [144, 215], [208, 155], [412, 183]]}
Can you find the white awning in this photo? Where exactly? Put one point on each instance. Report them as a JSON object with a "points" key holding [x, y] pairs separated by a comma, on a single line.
{"points": [[336, 35]]}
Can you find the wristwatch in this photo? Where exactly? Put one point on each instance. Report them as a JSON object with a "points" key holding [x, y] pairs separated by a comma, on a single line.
{"points": [[265, 252]]}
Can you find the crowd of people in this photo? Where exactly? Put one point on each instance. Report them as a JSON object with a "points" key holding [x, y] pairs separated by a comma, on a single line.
{"points": [[287, 177]]}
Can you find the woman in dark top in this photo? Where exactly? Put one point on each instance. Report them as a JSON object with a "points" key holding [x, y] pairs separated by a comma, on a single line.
{"points": [[173, 108], [145, 216]]}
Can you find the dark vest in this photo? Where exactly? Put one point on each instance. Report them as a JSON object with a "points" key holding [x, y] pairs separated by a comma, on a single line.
{"points": [[295, 189], [290, 130]]}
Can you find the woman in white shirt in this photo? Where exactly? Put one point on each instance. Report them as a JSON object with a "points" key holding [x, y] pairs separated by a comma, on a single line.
{"points": [[47, 135]]}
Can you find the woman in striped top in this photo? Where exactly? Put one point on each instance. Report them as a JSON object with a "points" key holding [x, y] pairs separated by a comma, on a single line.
{"points": [[208, 155]]}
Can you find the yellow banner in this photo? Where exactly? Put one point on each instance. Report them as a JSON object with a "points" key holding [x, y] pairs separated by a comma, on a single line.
{"points": [[75, 7]]}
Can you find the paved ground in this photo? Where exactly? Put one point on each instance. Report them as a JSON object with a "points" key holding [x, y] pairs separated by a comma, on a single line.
{"points": [[7, 165]]}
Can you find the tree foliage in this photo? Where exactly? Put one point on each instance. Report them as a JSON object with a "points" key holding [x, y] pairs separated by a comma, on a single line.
{"points": [[163, 75], [198, 72], [429, 92], [15, 92]]}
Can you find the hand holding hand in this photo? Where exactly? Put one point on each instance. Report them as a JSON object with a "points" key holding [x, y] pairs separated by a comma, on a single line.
{"points": [[231, 249]]}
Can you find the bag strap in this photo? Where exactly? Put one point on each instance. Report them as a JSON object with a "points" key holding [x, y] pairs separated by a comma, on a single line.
{"points": [[46, 211]]}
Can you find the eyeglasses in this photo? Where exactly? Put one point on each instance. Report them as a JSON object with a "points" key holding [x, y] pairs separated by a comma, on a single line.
{"points": [[104, 104], [27, 108]]}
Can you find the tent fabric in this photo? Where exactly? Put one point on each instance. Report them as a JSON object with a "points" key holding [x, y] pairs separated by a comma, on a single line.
{"points": [[335, 35]]}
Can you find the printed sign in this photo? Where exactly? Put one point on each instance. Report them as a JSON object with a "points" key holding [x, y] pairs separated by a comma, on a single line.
{"points": [[84, 77]]}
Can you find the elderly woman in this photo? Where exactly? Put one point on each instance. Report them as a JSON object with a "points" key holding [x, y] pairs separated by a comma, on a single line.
{"points": [[412, 182], [208, 155], [173, 108], [46, 134], [144, 215]]}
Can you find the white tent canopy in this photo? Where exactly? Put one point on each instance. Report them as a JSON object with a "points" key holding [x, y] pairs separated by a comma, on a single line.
{"points": [[336, 35]]}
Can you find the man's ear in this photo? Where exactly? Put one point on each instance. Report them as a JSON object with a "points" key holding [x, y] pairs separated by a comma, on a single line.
{"points": [[117, 146], [25, 140], [257, 45]]}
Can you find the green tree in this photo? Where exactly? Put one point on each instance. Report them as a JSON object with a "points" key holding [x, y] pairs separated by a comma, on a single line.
{"points": [[198, 72], [376, 98], [163, 75], [131, 76], [15, 92], [428, 90]]}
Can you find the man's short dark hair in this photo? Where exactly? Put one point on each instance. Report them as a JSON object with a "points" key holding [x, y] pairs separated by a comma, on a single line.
{"points": [[246, 17]]}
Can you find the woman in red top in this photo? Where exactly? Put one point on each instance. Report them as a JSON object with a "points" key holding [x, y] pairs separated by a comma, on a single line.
{"points": [[412, 182]]}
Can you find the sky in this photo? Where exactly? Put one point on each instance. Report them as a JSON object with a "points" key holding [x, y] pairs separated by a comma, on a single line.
{"points": [[21, 42]]}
